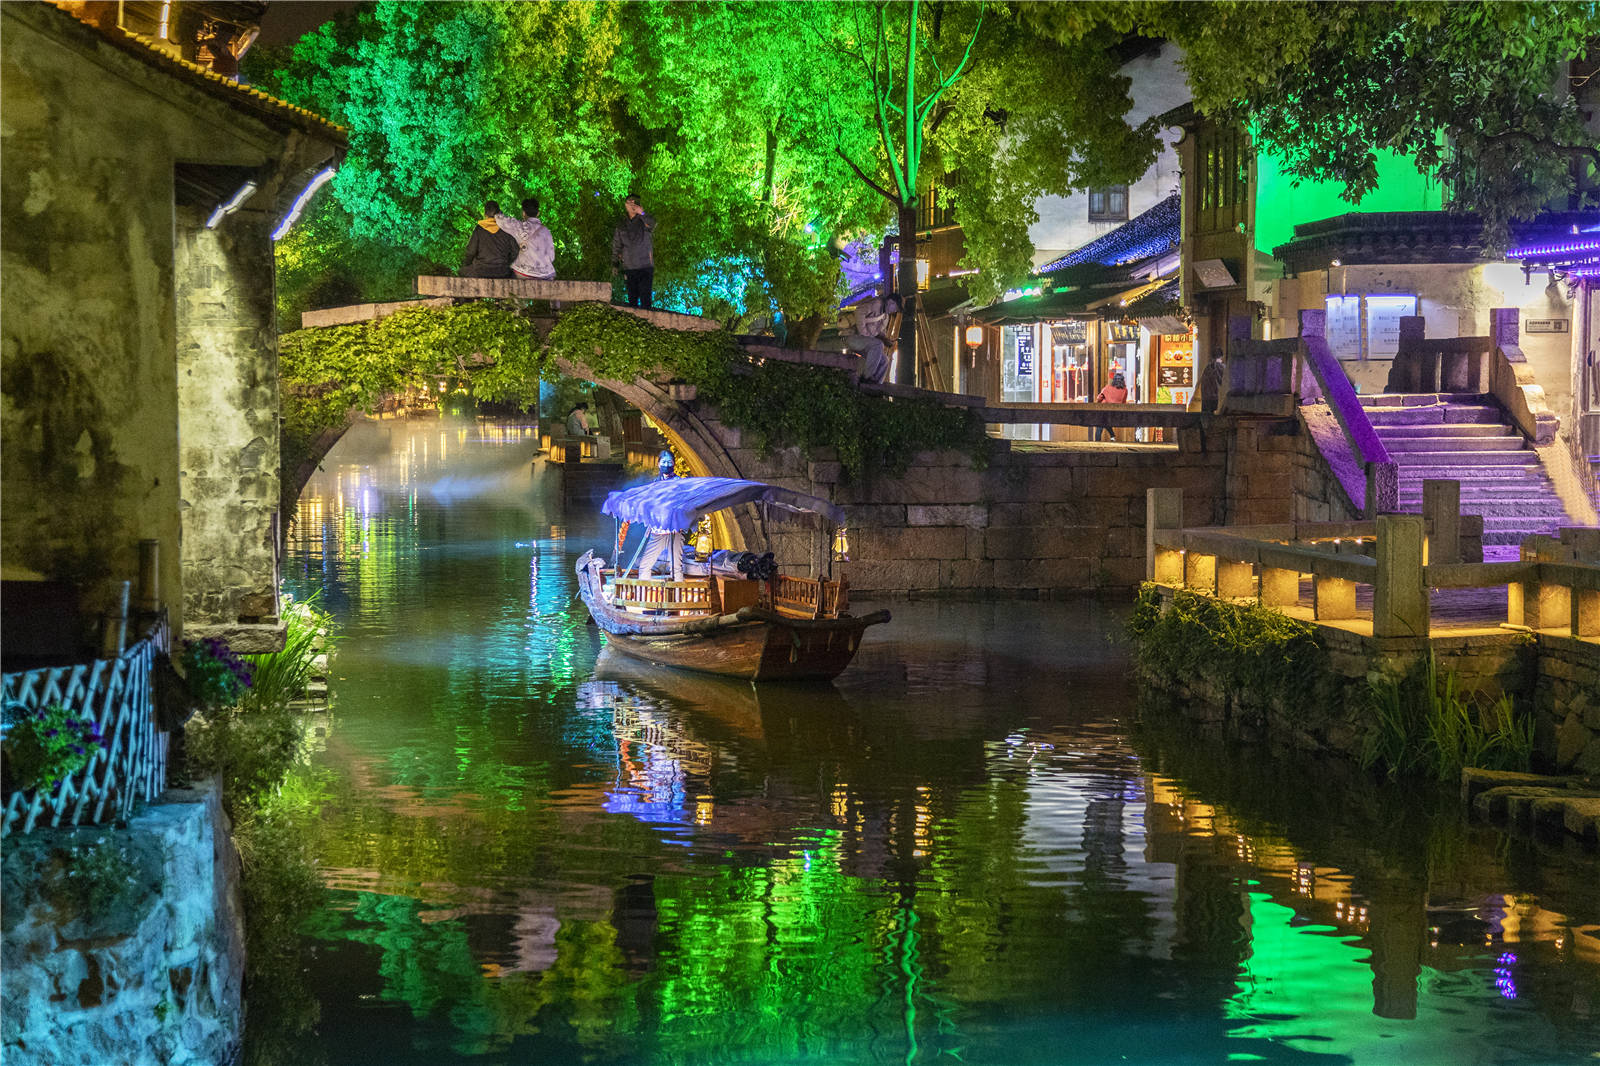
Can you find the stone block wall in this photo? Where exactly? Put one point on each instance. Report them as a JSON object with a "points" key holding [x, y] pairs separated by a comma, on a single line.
{"points": [[1567, 701], [1036, 520], [152, 973]]}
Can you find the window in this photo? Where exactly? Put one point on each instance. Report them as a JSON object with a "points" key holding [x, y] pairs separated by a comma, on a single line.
{"points": [[1109, 204]]}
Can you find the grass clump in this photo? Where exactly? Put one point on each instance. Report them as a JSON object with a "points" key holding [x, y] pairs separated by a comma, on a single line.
{"points": [[1423, 725], [1238, 647]]}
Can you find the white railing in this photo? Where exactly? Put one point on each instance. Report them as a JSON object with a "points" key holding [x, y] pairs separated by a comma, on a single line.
{"points": [[129, 769]]}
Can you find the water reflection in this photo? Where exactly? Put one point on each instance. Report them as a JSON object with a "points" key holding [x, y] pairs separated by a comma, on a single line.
{"points": [[972, 849]]}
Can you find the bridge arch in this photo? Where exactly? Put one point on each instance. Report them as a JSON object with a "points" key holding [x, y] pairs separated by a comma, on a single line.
{"points": [[689, 433]]}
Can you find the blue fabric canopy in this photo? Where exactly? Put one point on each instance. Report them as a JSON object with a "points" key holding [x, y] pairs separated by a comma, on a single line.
{"points": [[675, 503]]}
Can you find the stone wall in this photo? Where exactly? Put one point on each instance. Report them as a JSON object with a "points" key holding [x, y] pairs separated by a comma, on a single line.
{"points": [[134, 955], [1567, 699], [228, 427], [1556, 677], [99, 149], [1037, 520]]}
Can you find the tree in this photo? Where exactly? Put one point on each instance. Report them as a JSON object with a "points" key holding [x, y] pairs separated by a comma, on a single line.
{"points": [[1475, 92], [978, 90]]}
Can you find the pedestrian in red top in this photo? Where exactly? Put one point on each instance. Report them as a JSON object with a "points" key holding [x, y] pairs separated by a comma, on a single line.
{"points": [[1116, 391]]}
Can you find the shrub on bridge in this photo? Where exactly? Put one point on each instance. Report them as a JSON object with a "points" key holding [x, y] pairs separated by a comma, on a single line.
{"points": [[776, 403]]}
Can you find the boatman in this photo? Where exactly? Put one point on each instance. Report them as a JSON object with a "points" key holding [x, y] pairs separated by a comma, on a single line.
{"points": [[670, 540]]}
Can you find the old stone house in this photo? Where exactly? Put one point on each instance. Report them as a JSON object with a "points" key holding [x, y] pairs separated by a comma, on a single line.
{"points": [[140, 391]]}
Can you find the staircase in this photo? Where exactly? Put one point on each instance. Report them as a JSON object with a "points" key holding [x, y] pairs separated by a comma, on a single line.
{"points": [[1467, 438]]}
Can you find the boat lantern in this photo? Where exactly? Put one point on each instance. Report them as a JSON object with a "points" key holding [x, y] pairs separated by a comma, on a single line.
{"points": [[841, 546], [702, 545]]}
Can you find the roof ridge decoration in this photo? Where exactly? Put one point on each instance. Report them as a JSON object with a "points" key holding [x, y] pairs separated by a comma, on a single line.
{"points": [[222, 87], [1153, 231]]}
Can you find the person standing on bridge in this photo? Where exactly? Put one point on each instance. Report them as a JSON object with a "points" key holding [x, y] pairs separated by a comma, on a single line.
{"points": [[537, 255], [633, 252], [490, 249]]}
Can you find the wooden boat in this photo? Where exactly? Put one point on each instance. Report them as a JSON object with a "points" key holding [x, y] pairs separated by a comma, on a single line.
{"points": [[787, 628]]}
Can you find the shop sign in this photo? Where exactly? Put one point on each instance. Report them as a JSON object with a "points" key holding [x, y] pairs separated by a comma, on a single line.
{"points": [[1025, 353], [1073, 331], [1174, 377], [1122, 332], [1547, 325]]}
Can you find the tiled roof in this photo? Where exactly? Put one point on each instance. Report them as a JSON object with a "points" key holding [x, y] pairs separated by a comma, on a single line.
{"points": [[1151, 233], [268, 107]]}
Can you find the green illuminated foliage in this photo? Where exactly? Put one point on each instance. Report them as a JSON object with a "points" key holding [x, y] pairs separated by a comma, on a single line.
{"points": [[779, 404], [1475, 93]]}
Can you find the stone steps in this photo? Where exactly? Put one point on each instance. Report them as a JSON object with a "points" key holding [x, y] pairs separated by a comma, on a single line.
{"points": [[1448, 431], [1468, 439], [1409, 443]]}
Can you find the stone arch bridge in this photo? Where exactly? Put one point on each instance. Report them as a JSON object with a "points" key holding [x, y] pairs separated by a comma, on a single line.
{"points": [[1034, 520]]}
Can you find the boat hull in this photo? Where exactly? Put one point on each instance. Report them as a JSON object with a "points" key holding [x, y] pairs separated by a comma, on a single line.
{"points": [[753, 644]]}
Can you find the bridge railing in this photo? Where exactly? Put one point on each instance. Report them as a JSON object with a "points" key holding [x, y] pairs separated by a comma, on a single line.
{"points": [[1554, 587]]}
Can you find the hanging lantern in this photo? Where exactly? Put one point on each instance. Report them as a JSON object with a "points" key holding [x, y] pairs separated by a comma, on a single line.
{"points": [[974, 336], [841, 546], [702, 545]]}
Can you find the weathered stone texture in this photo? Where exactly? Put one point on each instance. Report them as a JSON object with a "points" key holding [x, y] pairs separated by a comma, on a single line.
{"points": [[155, 978]]}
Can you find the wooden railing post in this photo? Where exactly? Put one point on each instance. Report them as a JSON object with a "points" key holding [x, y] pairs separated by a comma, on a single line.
{"points": [[1399, 595], [1441, 506], [1163, 509]]}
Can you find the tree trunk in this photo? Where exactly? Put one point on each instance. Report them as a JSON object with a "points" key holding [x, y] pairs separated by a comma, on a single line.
{"points": [[803, 332], [772, 165], [906, 285]]}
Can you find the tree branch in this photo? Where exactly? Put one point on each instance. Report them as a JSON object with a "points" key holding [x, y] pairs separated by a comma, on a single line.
{"points": [[1574, 151], [885, 193]]}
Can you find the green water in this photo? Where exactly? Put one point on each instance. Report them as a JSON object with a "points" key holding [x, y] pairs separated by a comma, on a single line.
{"points": [[971, 849]]}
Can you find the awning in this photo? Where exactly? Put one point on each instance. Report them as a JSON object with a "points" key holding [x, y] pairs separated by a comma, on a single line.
{"points": [[676, 503]]}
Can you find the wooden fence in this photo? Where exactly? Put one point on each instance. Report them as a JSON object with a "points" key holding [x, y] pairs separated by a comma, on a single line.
{"points": [[130, 769]]}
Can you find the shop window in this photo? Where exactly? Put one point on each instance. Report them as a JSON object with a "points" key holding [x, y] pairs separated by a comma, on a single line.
{"points": [[1109, 204]]}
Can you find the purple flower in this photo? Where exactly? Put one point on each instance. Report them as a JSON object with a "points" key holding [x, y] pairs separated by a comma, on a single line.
{"points": [[52, 733], [77, 749]]}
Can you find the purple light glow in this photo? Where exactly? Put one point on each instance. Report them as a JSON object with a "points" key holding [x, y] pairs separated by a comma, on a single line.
{"points": [[1537, 251]]}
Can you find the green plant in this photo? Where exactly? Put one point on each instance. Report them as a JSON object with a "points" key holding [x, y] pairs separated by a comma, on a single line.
{"points": [[93, 880], [253, 743], [1423, 724], [282, 676], [215, 675], [1237, 647], [46, 745]]}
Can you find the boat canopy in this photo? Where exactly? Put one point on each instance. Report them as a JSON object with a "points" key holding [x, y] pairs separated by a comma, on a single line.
{"points": [[676, 503]]}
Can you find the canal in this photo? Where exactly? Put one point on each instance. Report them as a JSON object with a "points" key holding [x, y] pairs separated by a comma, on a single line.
{"points": [[971, 849]]}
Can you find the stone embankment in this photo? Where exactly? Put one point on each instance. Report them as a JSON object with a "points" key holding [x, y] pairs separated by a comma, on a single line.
{"points": [[1534, 803], [125, 945], [1047, 519]]}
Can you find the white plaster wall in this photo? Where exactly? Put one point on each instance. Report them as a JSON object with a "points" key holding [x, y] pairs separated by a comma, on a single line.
{"points": [[1159, 85], [1455, 300]]}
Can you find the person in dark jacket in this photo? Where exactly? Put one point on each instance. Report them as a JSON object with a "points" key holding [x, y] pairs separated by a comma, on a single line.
{"points": [[490, 249], [1213, 380], [633, 253]]}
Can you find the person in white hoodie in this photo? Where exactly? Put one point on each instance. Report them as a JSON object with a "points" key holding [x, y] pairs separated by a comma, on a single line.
{"points": [[537, 255]]}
